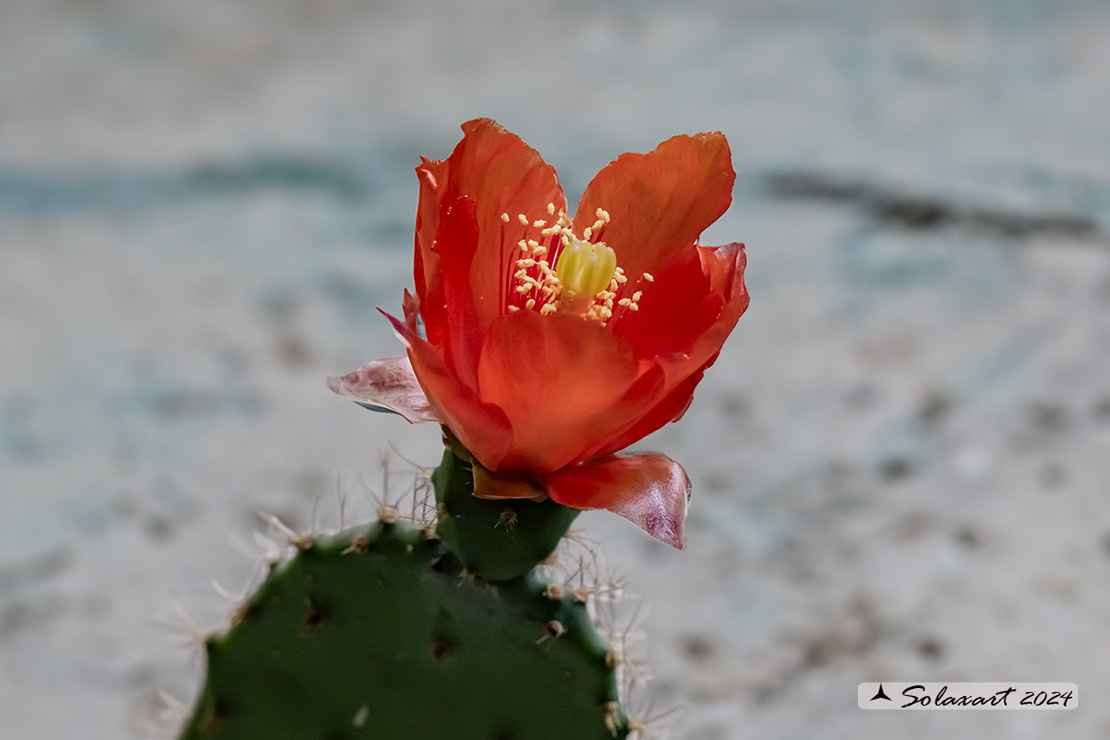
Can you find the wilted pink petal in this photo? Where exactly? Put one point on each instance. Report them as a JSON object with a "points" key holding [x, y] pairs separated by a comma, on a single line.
{"points": [[650, 491], [387, 385]]}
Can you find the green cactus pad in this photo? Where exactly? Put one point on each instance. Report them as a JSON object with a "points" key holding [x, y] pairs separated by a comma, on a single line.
{"points": [[379, 633], [498, 540]]}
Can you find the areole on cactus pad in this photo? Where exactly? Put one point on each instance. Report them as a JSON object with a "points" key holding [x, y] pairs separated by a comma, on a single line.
{"points": [[550, 342]]}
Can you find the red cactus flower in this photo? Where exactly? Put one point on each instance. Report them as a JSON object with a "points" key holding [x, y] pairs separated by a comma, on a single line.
{"points": [[550, 342]]}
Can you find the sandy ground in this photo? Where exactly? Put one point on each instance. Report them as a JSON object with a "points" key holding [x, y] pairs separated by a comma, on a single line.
{"points": [[899, 462]]}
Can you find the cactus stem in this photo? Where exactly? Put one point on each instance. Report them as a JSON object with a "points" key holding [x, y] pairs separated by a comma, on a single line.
{"points": [[396, 641], [497, 542]]}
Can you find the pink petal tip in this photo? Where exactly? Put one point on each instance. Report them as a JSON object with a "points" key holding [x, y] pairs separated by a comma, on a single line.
{"points": [[389, 385], [651, 491]]}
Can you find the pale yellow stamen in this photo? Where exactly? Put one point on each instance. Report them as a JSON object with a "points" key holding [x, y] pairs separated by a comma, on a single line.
{"points": [[584, 280]]}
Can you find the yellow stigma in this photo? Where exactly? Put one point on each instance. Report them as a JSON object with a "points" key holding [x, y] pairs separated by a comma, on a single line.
{"points": [[584, 268]]}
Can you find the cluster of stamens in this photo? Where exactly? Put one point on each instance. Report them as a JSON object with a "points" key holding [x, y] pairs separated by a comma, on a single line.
{"points": [[560, 271]]}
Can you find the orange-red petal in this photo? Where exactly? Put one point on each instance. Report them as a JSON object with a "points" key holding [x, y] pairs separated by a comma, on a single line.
{"points": [[660, 203], [565, 384], [387, 385], [725, 267], [674, 309], [426, 270], [683, 357], [716, 315], [460, 339], [690, 317], [671, 407], [483, 429], [651, 491], [464, 248]]}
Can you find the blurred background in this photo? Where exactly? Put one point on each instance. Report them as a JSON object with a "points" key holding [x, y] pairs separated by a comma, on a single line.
{"points": [[900, 460]]}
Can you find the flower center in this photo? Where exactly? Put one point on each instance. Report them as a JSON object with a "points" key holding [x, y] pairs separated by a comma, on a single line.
{"points": [[585, 278], [585, 268]]}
